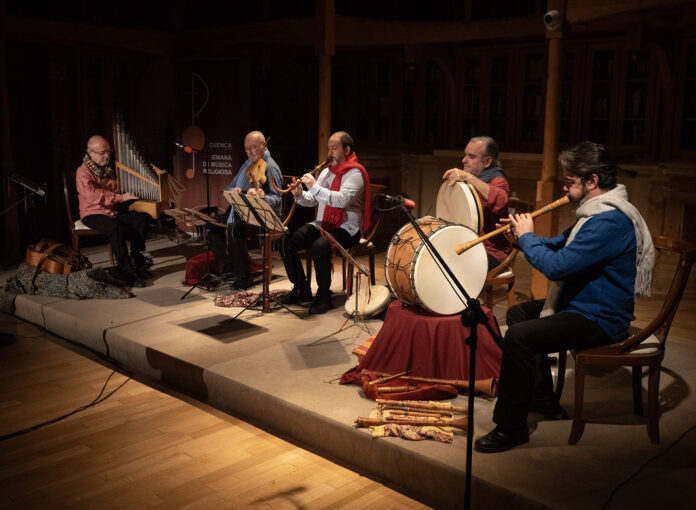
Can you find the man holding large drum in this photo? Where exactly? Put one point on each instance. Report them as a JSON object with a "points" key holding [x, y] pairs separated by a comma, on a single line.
{"points": [[481, 170]]}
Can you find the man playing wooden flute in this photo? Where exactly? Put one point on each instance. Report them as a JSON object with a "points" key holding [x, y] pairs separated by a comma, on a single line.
{"points": [[596, 267], [481, 170], [342, 194], [99, 210]]}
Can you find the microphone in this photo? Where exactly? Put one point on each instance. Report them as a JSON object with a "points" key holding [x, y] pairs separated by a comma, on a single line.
{"points": [[190, 150], [409, 204]]}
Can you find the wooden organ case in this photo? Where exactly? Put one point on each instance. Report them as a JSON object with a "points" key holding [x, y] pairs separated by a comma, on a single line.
{"points": [[156, 189]]}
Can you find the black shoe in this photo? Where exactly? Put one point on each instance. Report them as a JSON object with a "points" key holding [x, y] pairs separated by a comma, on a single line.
{"points": [[548, 406], [322, 304], [133, 280], [243, 283], [499, 441], [296, 296]]}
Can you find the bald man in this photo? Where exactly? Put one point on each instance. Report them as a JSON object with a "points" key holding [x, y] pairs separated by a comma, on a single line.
{"points": [[229, 247], [99, 200]]}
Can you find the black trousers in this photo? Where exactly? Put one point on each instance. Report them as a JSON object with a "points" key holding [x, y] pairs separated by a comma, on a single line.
{"points": [[230, 246], [309, 236], [525, 370], [130, 226]]}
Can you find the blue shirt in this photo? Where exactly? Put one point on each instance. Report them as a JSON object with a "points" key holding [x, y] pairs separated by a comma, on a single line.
{"points": [[598, 268], [272, 196]]}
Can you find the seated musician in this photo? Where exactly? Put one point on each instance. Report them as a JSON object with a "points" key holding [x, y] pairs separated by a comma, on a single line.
{"points": [[481, 170], [229, 246], [342, 194], [99, 210], [596, 267]]}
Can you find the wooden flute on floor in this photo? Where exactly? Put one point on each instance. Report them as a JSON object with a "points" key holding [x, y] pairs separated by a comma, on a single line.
{"points": [[487, 387], [415, 405], [461, 248], [373, 422]]}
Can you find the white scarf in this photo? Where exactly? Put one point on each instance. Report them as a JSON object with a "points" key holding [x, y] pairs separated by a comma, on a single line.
{"points": [[616, 198]]}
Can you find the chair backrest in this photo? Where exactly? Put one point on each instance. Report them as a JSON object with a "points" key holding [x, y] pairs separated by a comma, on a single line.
{"points": [[515, 205], [70, 199], [661, 324], [377, 192]]}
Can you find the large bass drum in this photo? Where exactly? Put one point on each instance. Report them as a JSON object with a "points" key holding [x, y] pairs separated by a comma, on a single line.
{"points": [[416, 277]]}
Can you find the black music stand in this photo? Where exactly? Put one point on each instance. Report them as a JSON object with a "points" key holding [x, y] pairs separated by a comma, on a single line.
{"points": [[360, 269], [254, 210], [471, 317], [209, 280]]}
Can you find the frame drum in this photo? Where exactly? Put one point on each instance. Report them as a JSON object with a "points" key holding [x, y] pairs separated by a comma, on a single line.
{"points": [[370, 303], [415, 276], [460, 204]]}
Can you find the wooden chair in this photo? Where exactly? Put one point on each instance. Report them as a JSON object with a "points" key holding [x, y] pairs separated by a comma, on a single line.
{"points": [[77, 228], [504, 274], [644, 348]]}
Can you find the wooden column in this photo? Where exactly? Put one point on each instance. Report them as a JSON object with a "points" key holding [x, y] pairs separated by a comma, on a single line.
{"points": [[326, 20], [11, 249], [545, 225]]}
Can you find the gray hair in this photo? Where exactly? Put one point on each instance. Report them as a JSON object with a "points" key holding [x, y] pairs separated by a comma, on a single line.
{"points": [[490, 148]]}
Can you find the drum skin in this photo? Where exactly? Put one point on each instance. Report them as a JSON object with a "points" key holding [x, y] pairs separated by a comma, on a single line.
{"points": [[459, 204], [415, 277], [370, 302]]}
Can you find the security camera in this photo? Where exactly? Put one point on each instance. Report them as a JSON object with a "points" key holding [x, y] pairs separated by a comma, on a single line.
{"points": [[552, 20]]}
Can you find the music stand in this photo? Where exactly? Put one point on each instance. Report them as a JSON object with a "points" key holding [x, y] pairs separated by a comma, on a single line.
{"points": [[254, 210], [209, 280], [360, 269]]}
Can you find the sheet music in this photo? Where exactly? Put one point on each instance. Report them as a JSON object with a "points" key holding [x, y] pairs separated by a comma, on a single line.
{"points": [[242, 205]]}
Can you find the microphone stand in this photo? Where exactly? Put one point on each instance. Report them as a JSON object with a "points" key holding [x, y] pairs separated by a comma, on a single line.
{"points": [[209, 280], [27, 185], [471, 317]]}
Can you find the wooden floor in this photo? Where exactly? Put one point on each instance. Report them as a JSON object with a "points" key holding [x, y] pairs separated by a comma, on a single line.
{"points": [[148, 447]]}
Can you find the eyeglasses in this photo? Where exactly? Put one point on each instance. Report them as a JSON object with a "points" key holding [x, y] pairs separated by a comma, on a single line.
{"points": [[102, 153]]}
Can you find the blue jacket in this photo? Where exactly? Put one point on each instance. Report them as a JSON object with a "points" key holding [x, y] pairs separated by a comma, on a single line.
{"points": [[598, 268]]}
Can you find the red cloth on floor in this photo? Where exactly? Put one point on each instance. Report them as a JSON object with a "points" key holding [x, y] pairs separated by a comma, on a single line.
{"points": [[428, 346], [197, 266]]}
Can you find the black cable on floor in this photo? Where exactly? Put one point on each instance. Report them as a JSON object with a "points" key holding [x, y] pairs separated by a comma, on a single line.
{"points": [[94, 402], [641, 468]]}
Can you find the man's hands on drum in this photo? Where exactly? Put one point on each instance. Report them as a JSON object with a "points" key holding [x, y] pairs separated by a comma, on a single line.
{"points": [[455, 175], [520, 224]]}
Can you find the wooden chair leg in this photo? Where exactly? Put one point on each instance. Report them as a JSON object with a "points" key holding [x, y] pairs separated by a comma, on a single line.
{"points": [[511, 295], [348, 279], [343, 272], [637, 376], [578, 426], [653, 404], [371, 259], [560, 377], [111, 254], [489, 297]]}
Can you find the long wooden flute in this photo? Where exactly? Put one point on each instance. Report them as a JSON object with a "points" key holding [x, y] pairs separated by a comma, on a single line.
{"points": [[415, 405], [372, 422], [461, 248], [487, 387]]}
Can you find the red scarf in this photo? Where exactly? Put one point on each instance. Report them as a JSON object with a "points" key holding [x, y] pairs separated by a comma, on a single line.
{"points": [[333, 216]]}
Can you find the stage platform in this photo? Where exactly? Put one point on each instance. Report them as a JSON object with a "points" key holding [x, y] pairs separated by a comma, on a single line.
{"points": [[263, 366]]}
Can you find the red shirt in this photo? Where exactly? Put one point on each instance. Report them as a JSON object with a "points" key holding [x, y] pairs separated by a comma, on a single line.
{"points": [[96, 196], [495, 206]]}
